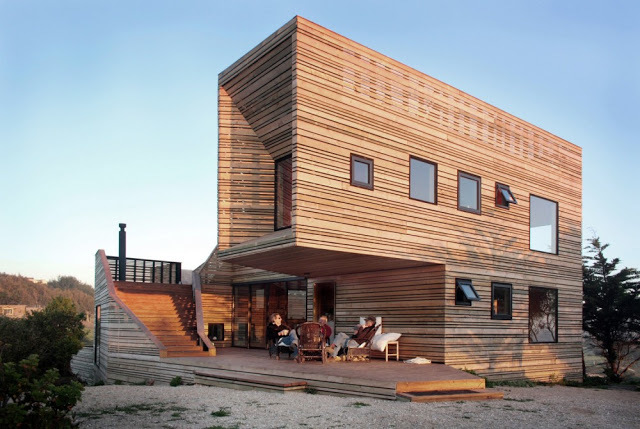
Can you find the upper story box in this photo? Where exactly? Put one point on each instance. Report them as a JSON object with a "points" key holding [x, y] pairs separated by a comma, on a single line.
{"points": [[333, 156]]}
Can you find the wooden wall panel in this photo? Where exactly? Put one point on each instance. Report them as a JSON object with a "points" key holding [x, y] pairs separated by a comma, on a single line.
{"points": [[410, 301]]}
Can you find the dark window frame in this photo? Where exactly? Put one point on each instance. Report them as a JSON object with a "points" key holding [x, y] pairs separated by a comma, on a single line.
{"points": [[363, 160], [462, 298], [275, 193], [435, 180], [500, 316], [557, 226], [501, 188], [478, 179], [557, 299]]}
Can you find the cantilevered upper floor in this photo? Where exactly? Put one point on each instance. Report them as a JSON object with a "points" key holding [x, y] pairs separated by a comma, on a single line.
{"points": [[335, 158]]}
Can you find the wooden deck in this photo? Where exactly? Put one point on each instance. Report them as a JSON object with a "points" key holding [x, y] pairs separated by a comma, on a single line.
{"points": [[379, 379]]}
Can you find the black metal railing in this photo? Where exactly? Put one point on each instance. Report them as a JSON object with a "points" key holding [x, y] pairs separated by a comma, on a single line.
{"points": [[147, 270]]}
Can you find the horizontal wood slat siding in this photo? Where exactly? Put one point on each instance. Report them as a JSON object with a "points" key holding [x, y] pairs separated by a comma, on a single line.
{"points": [[347, 99], [245, 179], [410, 301]]}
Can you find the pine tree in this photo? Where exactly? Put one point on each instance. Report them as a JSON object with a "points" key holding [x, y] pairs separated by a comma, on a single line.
{"points": [[611, 312]]}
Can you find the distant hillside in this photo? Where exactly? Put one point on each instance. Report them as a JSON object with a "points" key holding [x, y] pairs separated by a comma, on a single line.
{"points": [[20, 290]]}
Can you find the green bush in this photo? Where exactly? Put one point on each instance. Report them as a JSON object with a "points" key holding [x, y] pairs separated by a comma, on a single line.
{"points": [[55, 334], [30, 400], [176, 381]]}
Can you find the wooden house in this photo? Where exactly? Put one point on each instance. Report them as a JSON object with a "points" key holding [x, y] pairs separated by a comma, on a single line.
{"points": [[350, 184], [356, 185]]}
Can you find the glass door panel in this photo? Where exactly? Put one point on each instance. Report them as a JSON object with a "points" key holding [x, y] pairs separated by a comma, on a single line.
{"points": [[241, 316], [258, 316]]}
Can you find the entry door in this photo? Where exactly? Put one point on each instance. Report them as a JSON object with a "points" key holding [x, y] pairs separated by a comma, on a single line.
{"points": [[241, 316], [324, 301], [249, 316]]}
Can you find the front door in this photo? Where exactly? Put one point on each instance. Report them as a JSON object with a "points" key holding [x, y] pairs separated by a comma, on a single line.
{"points": [[324, 301]]}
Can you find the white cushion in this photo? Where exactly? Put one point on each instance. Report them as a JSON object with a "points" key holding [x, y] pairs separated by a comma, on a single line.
{"points": [[379, 342]]}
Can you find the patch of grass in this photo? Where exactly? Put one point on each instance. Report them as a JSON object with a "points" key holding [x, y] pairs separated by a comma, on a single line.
{"points": [[224, 427], [518, 400], [118, 383], [135, 408], [310, 390], [512, 383], [222, 412], [358, 404], [176, 414], [99, 383], [588, 382], [175, 381]]}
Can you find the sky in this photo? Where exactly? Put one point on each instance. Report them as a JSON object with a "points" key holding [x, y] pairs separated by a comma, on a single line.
{"points": [[108, 109]]}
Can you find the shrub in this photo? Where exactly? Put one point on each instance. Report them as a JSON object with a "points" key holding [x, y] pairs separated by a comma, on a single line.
{"points": [[176, 381], [30, 400]]}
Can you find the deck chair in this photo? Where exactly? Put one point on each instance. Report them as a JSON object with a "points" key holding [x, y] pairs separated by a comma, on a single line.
{"points": [[364, 349], [282, 348], [311, 342]]}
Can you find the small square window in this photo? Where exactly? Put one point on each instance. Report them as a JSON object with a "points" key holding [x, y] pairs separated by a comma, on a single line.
{"points": [[504, 196], [361, 172], [469, 192], [500, 301], [465, 292]]}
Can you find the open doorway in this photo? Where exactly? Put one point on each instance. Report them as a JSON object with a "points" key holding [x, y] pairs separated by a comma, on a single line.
{"points": [[324, 302]]}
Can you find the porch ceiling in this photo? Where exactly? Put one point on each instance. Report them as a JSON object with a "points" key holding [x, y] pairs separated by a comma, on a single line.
{"points": [[312, 262]]}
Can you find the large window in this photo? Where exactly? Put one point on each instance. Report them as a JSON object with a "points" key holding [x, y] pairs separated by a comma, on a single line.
{"points": [[469, 192], [500, 301], [361, 172], [422, 180], [465, 292], [284, 190], [543, 225], [543, 315]]}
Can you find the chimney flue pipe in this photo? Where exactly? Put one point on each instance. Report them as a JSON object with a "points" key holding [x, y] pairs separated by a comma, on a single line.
{"points": [[122, 256]]}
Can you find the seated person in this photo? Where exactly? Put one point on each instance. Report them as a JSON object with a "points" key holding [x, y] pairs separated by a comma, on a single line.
{"points": [[281, 335], [344, 341], [326, 329]]}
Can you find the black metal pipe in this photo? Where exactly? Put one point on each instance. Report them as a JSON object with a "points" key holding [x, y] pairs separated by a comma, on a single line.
{"points": [[122, 256]]}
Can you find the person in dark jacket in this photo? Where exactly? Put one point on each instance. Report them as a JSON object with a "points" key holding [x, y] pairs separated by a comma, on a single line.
{"points": [[360, 335], [280, 334]]}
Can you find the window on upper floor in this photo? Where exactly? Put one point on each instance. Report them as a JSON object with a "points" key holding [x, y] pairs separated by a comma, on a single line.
{"points": [[284, 193], [543, 315], [469, 192], [423, 176], [500, 301], [543, 225], [504, 196], [465, 292], [361, 171], [7, 311]]}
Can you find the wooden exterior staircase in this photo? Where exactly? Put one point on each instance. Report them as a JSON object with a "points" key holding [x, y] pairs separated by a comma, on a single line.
{"points": [[168, 311]]}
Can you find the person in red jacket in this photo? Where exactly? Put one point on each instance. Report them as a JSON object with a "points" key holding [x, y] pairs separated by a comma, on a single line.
{"points": [[326, 329], [360, 335]]}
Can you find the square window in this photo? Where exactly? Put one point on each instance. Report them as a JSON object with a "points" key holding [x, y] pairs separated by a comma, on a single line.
{"points": [[422, 180], [504, 196], [543, 225], [469, 192], [543, 315], [465, 292], [500, 301], [361, 172]]}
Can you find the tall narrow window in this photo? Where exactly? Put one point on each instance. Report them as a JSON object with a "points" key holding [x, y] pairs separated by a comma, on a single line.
{"points": [[422, 180], [361, 172], [469, 192], [543, 315], [543, 225], [284, 192], [500, 301], [96, 337]]}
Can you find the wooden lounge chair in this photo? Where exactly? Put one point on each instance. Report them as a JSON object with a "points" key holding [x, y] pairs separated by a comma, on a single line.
{"points": [[364, 349], [311, 342]]}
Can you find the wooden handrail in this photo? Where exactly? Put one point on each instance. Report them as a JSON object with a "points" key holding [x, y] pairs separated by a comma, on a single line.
{"points": [[197, 297]]}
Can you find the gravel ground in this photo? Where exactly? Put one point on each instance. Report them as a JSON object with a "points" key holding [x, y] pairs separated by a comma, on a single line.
{"points": [[192, 407]]}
